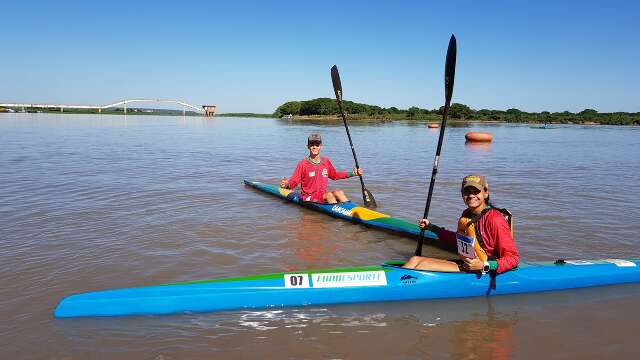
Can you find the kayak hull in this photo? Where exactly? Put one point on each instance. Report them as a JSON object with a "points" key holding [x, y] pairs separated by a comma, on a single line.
{"points": [[386, 282], [349, 211]]}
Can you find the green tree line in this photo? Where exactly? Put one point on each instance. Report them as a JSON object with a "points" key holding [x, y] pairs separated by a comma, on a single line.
{"points": [[329, 107]]}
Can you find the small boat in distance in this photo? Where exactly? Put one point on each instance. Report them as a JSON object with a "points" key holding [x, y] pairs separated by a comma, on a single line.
{"points": [[543, 126]]}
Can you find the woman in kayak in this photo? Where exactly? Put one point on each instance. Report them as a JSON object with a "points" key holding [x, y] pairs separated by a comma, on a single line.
{"points": [[313, 174], [484, 238]]}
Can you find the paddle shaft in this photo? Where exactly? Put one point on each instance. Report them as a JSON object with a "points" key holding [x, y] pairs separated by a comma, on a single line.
{"points": [[369, 201], [449, 76], [353, 150], [432, 184]]}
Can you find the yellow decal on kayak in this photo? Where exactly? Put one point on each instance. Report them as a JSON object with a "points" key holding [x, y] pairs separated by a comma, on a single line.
{"points": [[284, 192], [366, 214]]}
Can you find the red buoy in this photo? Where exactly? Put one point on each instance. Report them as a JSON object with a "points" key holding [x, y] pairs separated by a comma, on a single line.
{"points": [[477, 136], [433, 126]]}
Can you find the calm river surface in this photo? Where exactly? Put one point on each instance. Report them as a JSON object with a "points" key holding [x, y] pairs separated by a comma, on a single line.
{"points": [[97, 202]]}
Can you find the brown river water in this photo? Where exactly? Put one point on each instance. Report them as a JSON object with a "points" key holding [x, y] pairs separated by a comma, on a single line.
{"points": [[98, 202]]}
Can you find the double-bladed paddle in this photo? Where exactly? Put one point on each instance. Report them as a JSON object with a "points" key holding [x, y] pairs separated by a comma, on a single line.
{"points": [[449, 75], [367, 197]]}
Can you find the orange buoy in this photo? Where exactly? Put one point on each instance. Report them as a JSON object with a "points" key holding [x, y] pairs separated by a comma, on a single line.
{"points": [[477, 136], [433, 126]]}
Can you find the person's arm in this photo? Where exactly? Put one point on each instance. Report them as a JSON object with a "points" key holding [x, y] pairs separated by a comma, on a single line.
{"points": [[296, 177], [446, 237], [335, 174], [506, 250]]}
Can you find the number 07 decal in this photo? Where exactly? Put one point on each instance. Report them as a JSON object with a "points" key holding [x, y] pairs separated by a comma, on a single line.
{"points": [[296, 280]]}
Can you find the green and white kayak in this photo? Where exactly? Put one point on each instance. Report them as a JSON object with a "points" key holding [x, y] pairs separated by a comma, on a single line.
{"points": [[348, 211]]}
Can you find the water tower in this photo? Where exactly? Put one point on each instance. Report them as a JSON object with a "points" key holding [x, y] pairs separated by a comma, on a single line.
{"points": [[209, 110]]}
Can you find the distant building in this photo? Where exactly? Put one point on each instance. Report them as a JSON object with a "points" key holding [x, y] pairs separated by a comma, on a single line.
{"points": [[209, 110]]}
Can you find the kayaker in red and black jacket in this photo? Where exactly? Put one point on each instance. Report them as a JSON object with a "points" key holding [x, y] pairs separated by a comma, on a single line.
{"points": [[493, 248], [313, 173]]}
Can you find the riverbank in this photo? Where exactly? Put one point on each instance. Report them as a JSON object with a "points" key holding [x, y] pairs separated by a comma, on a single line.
{"points": [[431, 118], [363, 118], [438, 118], [247, 115], [326, 108]]}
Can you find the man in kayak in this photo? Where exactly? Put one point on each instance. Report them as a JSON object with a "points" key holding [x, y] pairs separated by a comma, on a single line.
{"points": [[484, 238], [313, 173]]}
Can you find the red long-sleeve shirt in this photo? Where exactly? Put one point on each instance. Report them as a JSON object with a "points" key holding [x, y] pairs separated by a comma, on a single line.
{"points": [[497, 239], [314, 178]]}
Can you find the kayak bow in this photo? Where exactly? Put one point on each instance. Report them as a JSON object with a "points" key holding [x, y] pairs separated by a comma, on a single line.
{"points": [[386, 282]]}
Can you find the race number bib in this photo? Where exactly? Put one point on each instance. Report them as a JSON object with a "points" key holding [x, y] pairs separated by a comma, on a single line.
{"points": [[465, 246]]}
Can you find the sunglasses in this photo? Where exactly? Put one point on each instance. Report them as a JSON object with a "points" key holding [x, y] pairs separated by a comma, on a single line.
{"points": [[315, 143], [470, 190]]}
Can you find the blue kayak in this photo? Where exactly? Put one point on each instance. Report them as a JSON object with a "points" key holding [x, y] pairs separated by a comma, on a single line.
{"points": [[349, 211], [387, 282]]}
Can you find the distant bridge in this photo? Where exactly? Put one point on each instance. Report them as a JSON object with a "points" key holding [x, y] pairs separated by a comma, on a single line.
{"points": [[101, 107]]}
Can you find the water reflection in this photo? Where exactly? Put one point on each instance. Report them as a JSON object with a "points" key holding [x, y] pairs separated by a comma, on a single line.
{"points": [[310, 246], [490, 335], [478, 147], [209, 120]]}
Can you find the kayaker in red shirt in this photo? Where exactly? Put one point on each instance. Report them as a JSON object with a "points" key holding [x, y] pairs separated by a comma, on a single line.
{"points": [[313, 173], [493, 249]]}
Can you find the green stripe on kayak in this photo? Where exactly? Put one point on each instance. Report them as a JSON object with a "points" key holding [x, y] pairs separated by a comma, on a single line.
{"points": [[280, 275], [399, 223]]}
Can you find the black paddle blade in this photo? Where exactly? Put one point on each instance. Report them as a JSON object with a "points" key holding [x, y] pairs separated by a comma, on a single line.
{"points": [[337, 85], [449, 68], [369, 201]]}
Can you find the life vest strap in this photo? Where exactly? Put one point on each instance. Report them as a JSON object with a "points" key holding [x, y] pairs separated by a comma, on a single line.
{"points": [[508, 216]]}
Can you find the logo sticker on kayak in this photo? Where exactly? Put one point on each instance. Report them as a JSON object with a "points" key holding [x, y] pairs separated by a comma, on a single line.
{"points": [[348, 279], [408, 279], [341, 210]]}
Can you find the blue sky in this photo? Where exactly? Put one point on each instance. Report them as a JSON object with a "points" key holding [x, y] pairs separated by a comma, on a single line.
{"points": [[254, 55]]}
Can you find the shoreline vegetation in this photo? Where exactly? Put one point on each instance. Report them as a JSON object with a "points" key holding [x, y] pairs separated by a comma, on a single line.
{"points": [[326, 109]]}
